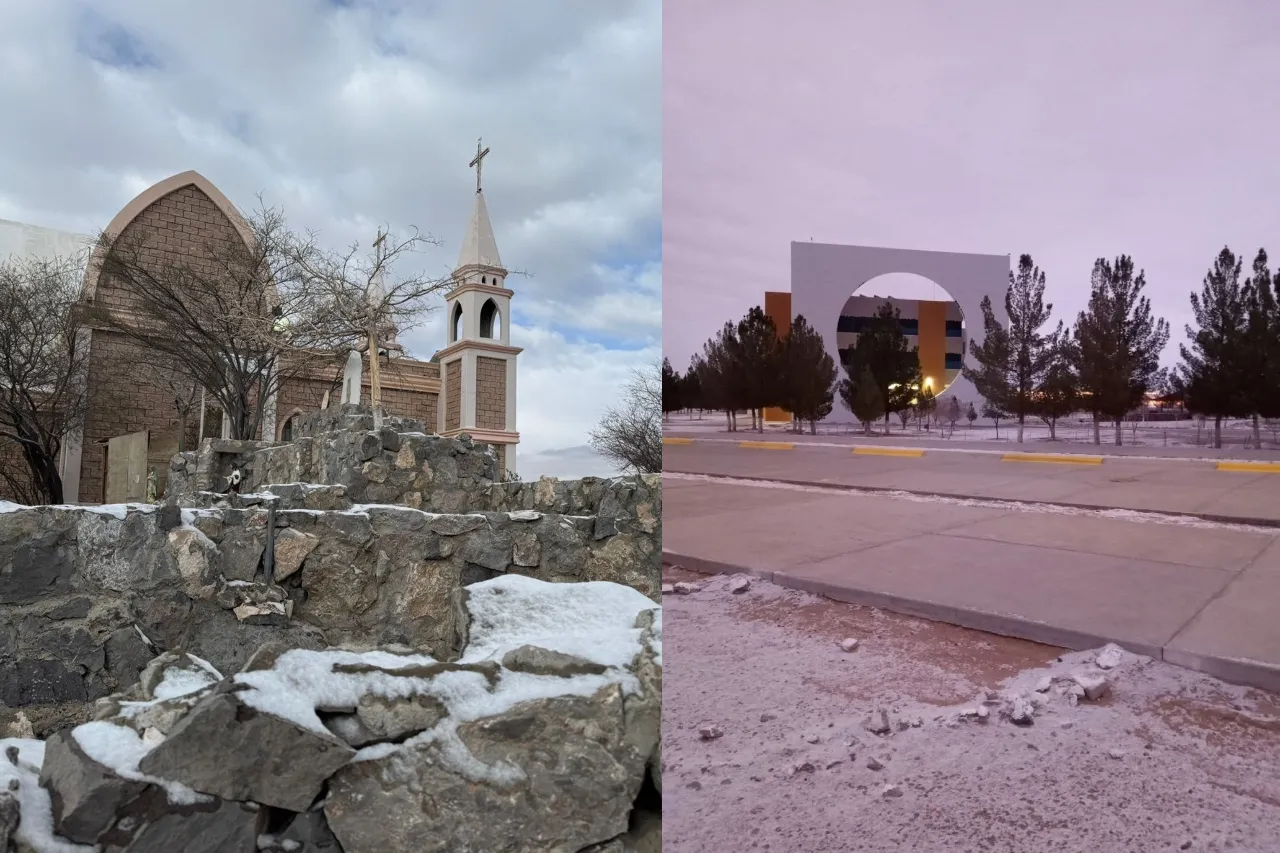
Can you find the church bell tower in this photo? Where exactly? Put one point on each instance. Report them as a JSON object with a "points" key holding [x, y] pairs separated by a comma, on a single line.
{"points": [[478, 363]]}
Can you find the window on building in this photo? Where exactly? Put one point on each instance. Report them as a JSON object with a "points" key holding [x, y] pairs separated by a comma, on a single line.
{"points": [[490, 321]]}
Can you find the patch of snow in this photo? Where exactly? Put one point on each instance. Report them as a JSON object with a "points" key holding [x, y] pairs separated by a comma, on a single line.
{"points": [[35, 824], [591, 620], [180, 681], [144, 637], [237, 583], [121, 748]]}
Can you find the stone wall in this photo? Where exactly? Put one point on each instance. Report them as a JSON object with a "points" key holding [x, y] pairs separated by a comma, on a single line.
{"points": [[88, 595], [453, 394]]}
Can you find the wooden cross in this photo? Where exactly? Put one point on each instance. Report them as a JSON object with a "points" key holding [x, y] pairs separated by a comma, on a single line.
{"points": [[478, 162]]}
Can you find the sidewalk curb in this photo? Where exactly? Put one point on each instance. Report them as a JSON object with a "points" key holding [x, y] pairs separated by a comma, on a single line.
{"points": [[1271, 523], [1248, 673]]}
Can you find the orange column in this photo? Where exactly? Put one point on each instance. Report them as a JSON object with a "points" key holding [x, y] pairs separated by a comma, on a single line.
{"points": [[777, 307], [932, 343]]}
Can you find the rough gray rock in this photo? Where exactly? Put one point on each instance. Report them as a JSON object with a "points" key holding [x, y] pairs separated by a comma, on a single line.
{"points": [[229, 749], [547, 662], [9, 817], [305, 833], [86, 795], [152, 824], [579, 778]]}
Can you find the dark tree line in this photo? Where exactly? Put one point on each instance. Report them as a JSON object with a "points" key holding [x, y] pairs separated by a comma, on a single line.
{"points": [[748, 367], [1106, 364]]}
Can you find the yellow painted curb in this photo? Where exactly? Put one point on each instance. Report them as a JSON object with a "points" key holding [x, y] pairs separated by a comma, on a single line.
{"points": [[674, 440], [767, 445], [1250, 467], [1052, 458], [902, 452]]}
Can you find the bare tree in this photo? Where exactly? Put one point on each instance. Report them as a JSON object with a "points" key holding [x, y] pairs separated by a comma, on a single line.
{"points": [[43, 367], [349, 303], [219, 314], [630, 434]]}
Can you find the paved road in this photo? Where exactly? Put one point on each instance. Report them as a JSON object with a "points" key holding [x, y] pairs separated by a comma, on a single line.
{"points": [[1157, 485], [1198, 594]]}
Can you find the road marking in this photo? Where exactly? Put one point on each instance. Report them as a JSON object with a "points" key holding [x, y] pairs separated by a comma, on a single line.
{"points": [[1052, 458], [1250, 467], [901, 452], [678, 441], [767, 445]]}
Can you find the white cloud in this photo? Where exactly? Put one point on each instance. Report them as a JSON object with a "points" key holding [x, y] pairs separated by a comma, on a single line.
{"points": [[351, 115]]}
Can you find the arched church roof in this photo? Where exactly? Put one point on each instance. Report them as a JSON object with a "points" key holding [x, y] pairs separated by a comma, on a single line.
{"points": [[150, 196]]}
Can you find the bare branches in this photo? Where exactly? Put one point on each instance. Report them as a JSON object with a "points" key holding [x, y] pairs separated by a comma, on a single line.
{"points": [[630, 435], [43, 368]]}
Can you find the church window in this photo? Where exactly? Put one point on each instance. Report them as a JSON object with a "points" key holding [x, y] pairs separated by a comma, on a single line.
{"points": [[455, 326], [490, 321]]}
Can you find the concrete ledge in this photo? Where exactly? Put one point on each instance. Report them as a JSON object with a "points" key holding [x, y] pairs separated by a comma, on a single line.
{"points": [[1052, 458], [877, 490], [677, 440], [1250, 467], [1246, 672], [899, 452], [711, 567], [767, 445]]}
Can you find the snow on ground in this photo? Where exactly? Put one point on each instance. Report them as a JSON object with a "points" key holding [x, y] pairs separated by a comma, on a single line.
{"points": [[1131, 515], [1236, 434], [1168, 760], [35, 827]]}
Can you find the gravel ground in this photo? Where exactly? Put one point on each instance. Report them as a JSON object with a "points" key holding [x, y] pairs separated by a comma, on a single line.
{"points": [[766, 747]]}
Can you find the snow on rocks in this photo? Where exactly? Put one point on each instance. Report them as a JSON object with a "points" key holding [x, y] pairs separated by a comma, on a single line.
{"points": [[1094, 686], [1110, 657], [849, 644], [878, 722], [415, 753]]}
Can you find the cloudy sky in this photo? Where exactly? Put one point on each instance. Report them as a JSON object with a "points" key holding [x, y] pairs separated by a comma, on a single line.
{"points": [[1067, 130], [352, 114]]}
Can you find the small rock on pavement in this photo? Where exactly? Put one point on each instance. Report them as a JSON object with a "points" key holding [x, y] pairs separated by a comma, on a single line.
{"points": [[1094, 686], [1043, 685], [711, 731], [768, 718], [849, 644], [812, 738], [1116, 753], [878, 722], [874, 763], [685, 588], [668, 588], [892, 791], [803, 767], [1110, 657], [739, 585]]}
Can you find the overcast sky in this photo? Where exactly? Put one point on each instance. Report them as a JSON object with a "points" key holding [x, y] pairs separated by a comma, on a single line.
{"points": [[1067, 130], [351, 115]]}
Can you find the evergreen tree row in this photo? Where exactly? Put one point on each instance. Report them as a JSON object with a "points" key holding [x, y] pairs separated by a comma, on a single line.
{"points": [[1106, 364]]}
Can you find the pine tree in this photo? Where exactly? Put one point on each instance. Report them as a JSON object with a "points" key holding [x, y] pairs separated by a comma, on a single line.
{"points": [[1012, 365], [894, 365], [926, 405], [670, 389], [1262, 340], [1117, 343], [691, 387], [1214, 373], [1058, 396], [808, 375], [758, 354], [863, 398]]}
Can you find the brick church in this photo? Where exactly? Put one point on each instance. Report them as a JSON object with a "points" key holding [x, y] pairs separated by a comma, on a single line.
{"points": [[132, 428]]}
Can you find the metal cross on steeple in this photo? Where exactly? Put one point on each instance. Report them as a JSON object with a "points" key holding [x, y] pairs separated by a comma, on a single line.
{"points": [[478, 162]]}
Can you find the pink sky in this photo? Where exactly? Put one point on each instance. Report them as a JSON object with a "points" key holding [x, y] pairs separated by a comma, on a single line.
{"points": [[1070, 131]]}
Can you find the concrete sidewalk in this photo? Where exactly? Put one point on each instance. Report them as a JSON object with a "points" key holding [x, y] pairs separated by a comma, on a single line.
{"points": [[1199, 595], [1150, 485]]}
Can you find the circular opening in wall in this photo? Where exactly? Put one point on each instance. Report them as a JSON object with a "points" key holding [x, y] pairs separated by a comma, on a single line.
{"points": [[931, 320]]}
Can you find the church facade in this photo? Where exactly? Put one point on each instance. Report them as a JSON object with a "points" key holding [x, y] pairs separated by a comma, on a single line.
{"points": [[469, 386]]}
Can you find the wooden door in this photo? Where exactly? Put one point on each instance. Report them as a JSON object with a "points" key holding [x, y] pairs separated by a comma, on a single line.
{"points": [[127, 468]]}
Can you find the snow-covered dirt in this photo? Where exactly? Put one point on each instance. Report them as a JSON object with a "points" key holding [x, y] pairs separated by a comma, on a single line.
{"points": [[767, 740]]}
